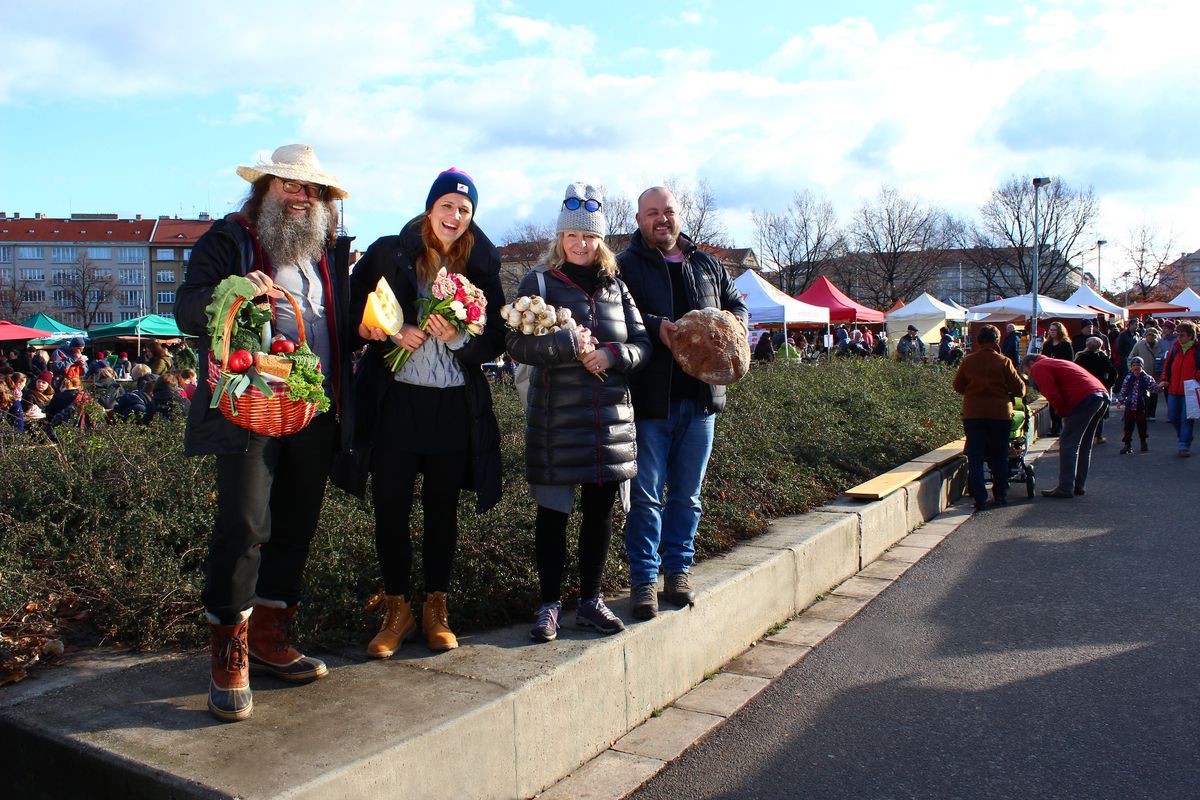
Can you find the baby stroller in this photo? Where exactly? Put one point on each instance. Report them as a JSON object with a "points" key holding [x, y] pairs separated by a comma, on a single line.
{"points": [[1018, 470]]}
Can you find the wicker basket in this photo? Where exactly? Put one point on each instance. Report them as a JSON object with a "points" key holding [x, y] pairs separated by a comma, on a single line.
{"points": [[277, 415]]}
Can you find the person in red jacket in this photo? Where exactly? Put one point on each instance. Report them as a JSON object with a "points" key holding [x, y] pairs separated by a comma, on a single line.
{"points": [[1182, 363], [1081, 401]]}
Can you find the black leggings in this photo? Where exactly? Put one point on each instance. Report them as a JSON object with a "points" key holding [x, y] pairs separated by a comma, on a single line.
{"points": [[394, 473], [595, 533]]}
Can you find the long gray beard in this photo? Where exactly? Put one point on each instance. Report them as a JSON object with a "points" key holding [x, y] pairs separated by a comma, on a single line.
{"points": [[289, 240], [300, 242]]}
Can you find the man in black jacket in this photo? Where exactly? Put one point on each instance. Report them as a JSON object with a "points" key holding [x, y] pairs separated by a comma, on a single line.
{"points": [[668, 276], [1100, 365], [269, 489], [1011, 348]]}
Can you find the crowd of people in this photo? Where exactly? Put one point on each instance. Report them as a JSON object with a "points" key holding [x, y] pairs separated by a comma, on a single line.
{"points": [[43, 389], [858, 341], [1081, 377]]}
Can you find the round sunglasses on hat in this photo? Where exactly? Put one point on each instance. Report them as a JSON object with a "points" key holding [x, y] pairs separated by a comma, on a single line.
{"points": [[574, 203]]}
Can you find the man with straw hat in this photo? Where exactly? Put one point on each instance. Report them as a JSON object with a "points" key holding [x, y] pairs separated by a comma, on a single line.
{"points": [[269, 489]]}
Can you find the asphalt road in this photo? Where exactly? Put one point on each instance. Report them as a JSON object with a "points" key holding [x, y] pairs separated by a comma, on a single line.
{"points": [[1047, 649]]}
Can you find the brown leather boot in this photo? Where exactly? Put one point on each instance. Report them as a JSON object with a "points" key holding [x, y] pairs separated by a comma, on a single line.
{"points": [[229, 697], [436, 621], [270, 652], [398, 624]]}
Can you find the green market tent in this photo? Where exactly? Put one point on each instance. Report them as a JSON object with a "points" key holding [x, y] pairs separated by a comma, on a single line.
{"points": [[151, 326], [60, 332]]}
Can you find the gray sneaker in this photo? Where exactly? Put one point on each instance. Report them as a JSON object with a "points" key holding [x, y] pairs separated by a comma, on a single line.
{"points": [[545, 629], [678, 589], [645, 601], [592, 613]]}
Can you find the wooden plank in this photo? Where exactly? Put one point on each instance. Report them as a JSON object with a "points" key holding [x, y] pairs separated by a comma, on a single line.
{"points": [[943, 454], [881, 486]]}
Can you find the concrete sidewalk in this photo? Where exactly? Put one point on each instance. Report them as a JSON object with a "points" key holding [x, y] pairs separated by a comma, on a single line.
{"points": [[498, 717]]}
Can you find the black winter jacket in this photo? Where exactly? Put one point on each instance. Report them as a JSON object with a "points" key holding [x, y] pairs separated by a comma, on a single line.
{"points": [[227, 249], [579, 428], [1100, 365], [394, 257], [646, 274]]}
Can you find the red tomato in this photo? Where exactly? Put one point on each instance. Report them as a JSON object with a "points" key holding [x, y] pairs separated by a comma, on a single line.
{"points": [[283, 346], [240, 361]]}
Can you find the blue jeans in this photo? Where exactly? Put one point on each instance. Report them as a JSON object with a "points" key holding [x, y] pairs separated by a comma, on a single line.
{"points": [[672, 453], [1177, 414], [987, 443]]}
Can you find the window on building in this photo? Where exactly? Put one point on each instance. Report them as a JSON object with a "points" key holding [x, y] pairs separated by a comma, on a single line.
{"points": [[131, 277], [131, 255], [34, 296], [128, 315], [103, 274], [167, 314], [165, 276], [61, 298], [187, 253], [104, 317], [63, 255], [100, 253], [6, 275], [30, 253], [95, 296], [60, 277], [166, 297], [165, 254], [33, 274], [6, 255], [131, 297]]}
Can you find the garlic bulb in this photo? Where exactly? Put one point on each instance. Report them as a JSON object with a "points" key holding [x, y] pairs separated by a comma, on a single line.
{"points": [[521, 304]]}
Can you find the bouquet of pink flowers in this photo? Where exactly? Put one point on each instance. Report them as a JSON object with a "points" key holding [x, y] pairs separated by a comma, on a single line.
{"points": [[455, 299]]}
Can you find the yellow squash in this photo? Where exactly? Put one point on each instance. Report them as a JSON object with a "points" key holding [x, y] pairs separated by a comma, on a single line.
{"points": [[383, 309]]}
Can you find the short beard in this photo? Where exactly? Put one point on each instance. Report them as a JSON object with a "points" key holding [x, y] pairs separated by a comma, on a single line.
{"points": [[288, 239]]}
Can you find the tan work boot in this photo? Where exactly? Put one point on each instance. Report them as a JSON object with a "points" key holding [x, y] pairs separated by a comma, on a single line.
{"points": [[398, 624], [270, 651], [229, 697], [436, 620]]}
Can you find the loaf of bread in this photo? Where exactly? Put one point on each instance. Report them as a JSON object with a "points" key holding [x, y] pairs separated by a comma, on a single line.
{"points": [[272, 365], [710, 345]]}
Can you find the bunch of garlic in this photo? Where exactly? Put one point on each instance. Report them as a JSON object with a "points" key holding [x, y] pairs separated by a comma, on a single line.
{"points": [[532, 316]]}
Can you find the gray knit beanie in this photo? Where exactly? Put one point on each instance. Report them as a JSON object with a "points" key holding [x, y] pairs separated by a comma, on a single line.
{"points": [[580, 218]]}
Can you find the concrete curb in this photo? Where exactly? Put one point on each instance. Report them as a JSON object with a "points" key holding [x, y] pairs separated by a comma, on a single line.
{"points": [[497, 718]]}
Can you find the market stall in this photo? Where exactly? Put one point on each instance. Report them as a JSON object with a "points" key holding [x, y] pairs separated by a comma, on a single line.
{"points": [[927, 314]]}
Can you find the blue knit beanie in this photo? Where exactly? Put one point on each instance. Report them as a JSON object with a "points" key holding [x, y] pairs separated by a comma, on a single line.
{"points": [[453, 181]]}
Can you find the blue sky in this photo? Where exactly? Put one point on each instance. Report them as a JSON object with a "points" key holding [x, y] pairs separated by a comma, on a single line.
{"points": [[148, 107]]}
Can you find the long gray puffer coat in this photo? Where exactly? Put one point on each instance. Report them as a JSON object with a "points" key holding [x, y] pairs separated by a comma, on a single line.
{"points": [[579, 429]]}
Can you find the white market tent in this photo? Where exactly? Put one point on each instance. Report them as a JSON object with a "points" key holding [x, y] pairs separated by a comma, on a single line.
{"points": [[1087, 297], [1185, 298], [927, 314], [1022, 305], [770, 306]]}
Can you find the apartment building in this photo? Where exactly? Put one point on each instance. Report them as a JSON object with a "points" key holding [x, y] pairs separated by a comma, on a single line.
{"points": [[170, 248]]}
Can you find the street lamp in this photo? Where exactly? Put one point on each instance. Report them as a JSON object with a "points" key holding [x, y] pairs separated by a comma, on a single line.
{"points": [[1099, 244], [1038, 183]]}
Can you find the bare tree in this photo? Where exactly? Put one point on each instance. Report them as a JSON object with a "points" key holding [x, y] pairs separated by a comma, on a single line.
{"points": [[700, 217], [86, 289], [1149, 273], [621, 223], [1004, 234], [898, 246], [525, 244], [13, 297], [800, 241]]}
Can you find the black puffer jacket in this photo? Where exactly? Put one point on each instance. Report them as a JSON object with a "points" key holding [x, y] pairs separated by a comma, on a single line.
{"points": [[644, 271], [579, 429], [394, 258]]}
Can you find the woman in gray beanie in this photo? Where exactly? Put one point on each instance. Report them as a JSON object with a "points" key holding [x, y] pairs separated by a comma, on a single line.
{"points": [[579, 419]]}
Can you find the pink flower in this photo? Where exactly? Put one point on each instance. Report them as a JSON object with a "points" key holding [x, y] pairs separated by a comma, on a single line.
{"points": [[473, 313], [461, 295]]}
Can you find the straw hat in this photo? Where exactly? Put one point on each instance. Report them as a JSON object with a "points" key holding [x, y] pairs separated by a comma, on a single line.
{"points": [[295, 162]]}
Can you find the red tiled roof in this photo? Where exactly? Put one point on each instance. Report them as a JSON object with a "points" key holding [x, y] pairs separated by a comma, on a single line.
{"points": [[76, 230], [180, 231]]}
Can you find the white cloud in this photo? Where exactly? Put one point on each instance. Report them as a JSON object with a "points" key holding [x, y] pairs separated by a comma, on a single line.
{"points": [[692, 17], [526, 30]]}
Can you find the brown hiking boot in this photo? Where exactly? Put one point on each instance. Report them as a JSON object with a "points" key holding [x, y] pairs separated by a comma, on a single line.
{"points": [[270, 652], [229, 697], [398, 624], [436, 621], [677, 589]]}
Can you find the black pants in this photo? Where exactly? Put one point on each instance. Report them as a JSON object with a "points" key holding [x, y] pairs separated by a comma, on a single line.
{"points": [[595, 533], [1152, 404], [1135, 418], [394, 474], [987, 445], [268, 505]]}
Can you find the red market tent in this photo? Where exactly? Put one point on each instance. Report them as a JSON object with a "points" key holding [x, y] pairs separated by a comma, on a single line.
{"points": [[841, 308], [1153, 307], [899, 304], [12, 332]]}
